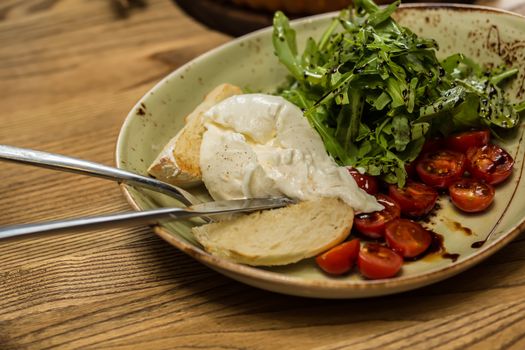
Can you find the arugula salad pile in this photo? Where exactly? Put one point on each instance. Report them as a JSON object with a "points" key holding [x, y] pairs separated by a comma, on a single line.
{"points": [[375, 91]]}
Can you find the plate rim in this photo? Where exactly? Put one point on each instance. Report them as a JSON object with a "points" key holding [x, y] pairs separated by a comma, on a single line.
{"points": [[387, 286]]}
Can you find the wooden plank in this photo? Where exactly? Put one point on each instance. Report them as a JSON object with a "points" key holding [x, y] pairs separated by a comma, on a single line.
{"points": [[69, 72]]}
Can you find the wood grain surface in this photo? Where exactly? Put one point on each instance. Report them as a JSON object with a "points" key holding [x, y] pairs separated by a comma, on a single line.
{"points": [[69, 72]]}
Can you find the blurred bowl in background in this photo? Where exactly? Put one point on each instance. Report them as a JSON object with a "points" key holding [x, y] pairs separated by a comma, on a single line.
{"points": [[239, 17], [296, 6]]}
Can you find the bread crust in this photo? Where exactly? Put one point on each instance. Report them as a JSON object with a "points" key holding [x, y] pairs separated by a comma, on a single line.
{"points": [[178, 162]]}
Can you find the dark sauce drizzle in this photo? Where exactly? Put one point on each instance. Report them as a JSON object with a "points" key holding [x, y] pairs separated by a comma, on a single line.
{"points": [[478, 244], [436, 247], [450, 256]]}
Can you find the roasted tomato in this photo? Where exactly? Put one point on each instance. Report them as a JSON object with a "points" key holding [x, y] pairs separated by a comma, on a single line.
{"points": [[439, 169], [415, 199], [406, 237], [489, 163], [340, 259], [366, 182], [410, 168], [373, 224], [471, 195], [432, 144], [376, 261], [462, 141]]}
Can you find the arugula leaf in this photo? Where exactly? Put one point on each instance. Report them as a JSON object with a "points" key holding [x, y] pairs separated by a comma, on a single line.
{"points": [[401, 132], [285, 45], [380, 16], [375, 91]]}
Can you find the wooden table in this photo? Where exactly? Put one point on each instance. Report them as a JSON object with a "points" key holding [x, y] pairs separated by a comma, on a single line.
{"points": [[69, 72]]}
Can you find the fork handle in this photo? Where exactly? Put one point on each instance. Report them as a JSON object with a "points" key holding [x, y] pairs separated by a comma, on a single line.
{"points": [[79, 166]]}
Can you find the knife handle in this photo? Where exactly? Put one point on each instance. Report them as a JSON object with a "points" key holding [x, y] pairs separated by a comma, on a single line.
{"points": [[95, 222]]}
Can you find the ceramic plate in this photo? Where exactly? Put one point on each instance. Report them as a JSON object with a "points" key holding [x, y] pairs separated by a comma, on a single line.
{"points": [[488, 35]]}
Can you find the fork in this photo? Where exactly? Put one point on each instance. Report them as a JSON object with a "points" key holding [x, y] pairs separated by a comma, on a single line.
{"points": [[84, 167]]}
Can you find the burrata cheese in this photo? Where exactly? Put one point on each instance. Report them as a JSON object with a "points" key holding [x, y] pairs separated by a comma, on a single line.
{"points": [[258, 145]]}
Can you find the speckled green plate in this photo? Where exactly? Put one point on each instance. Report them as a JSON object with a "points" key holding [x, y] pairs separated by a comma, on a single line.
{"points": [[488, 35]]}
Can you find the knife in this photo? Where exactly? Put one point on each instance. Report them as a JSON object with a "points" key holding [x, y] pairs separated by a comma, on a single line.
{"points": [[146, 216]]}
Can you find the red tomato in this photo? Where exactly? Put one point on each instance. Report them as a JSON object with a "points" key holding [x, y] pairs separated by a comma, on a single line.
{"points": [[489, 163], [407, 237], [373, 224], [441, 168], [376, 261], [340, 258], [415, 199], [410, 168], [462, 141], [366, 182], [432, 144], [471, 195]]}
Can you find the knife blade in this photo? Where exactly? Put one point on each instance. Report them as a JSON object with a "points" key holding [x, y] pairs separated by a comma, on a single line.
{"points": [[236, 205], [146, 216]]}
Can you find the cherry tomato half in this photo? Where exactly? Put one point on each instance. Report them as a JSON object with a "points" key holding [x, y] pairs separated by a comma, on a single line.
{"points": [[410, 168], [407, 237], [340, 259], [432, 144], [462, 141], [366, 182], [377, 261], [373, 224], [471, 195], [439, 169], [415, 199], [489, 163]]}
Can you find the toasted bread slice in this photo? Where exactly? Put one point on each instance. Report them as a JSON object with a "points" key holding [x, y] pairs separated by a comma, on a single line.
{"points": [[280, 236], [178, 163]]}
